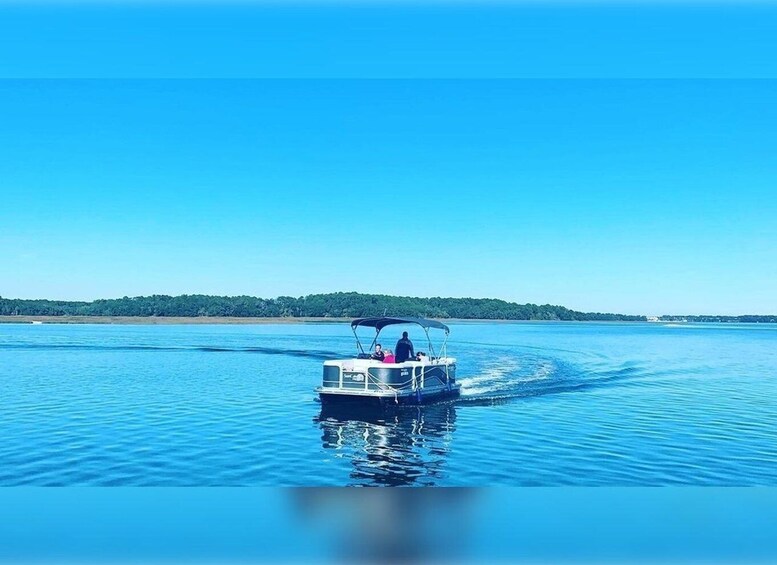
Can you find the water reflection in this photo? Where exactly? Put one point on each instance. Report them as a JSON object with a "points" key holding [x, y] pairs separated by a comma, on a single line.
{"points": [[406, 446]]}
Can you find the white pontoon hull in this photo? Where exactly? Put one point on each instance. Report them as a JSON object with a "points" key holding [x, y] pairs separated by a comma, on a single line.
{"points": [[412, 382]]}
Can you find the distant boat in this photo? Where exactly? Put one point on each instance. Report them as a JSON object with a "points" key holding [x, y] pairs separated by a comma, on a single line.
{"points": [[36, 322], [364, 381]]}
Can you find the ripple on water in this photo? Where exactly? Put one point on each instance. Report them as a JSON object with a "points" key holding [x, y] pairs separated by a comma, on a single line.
{"points": [[551, 404]]}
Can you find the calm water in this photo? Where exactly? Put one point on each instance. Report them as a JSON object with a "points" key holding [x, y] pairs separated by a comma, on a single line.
{"points": [[543, 404]]}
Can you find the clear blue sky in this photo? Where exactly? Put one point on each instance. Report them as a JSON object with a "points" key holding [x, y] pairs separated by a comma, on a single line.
{"points": [[635, 196]]}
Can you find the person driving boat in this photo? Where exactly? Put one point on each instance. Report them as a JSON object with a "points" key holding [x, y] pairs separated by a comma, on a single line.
{"points": [[404, 349]]}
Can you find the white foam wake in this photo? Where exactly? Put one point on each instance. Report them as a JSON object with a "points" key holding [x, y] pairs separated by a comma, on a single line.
{"points": [[503, 376]]}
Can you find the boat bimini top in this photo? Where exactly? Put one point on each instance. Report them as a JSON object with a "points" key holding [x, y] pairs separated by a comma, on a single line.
{"points": [[381, 322]]}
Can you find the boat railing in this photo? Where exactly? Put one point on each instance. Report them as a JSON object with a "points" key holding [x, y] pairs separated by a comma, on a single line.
{"points": [[417, 380]]}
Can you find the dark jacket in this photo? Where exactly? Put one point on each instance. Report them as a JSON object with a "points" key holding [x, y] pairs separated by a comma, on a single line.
{"points": [[404, 350], [378, 356]]}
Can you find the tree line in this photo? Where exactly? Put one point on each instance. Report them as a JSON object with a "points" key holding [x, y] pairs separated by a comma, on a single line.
{"points": [[747, 319], [335, 305]]}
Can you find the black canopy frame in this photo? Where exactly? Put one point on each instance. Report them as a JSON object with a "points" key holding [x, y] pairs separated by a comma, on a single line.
{"points": [[381, 322]]}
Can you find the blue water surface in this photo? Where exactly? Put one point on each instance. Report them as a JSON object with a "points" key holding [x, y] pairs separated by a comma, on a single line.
{"points": [[542, 404]]}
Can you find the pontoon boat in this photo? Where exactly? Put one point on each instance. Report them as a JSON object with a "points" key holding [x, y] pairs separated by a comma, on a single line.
{"points": [[364, 380]]}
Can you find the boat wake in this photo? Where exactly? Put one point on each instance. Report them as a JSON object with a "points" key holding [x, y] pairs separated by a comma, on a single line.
{"points": [[306, 353], [509, 377], [497, 377], [525, 376]]}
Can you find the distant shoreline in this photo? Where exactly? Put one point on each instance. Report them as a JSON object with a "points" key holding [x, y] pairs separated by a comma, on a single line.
{"points": [[314, 306], [163, 320], [235, 320], [204, 320]]}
